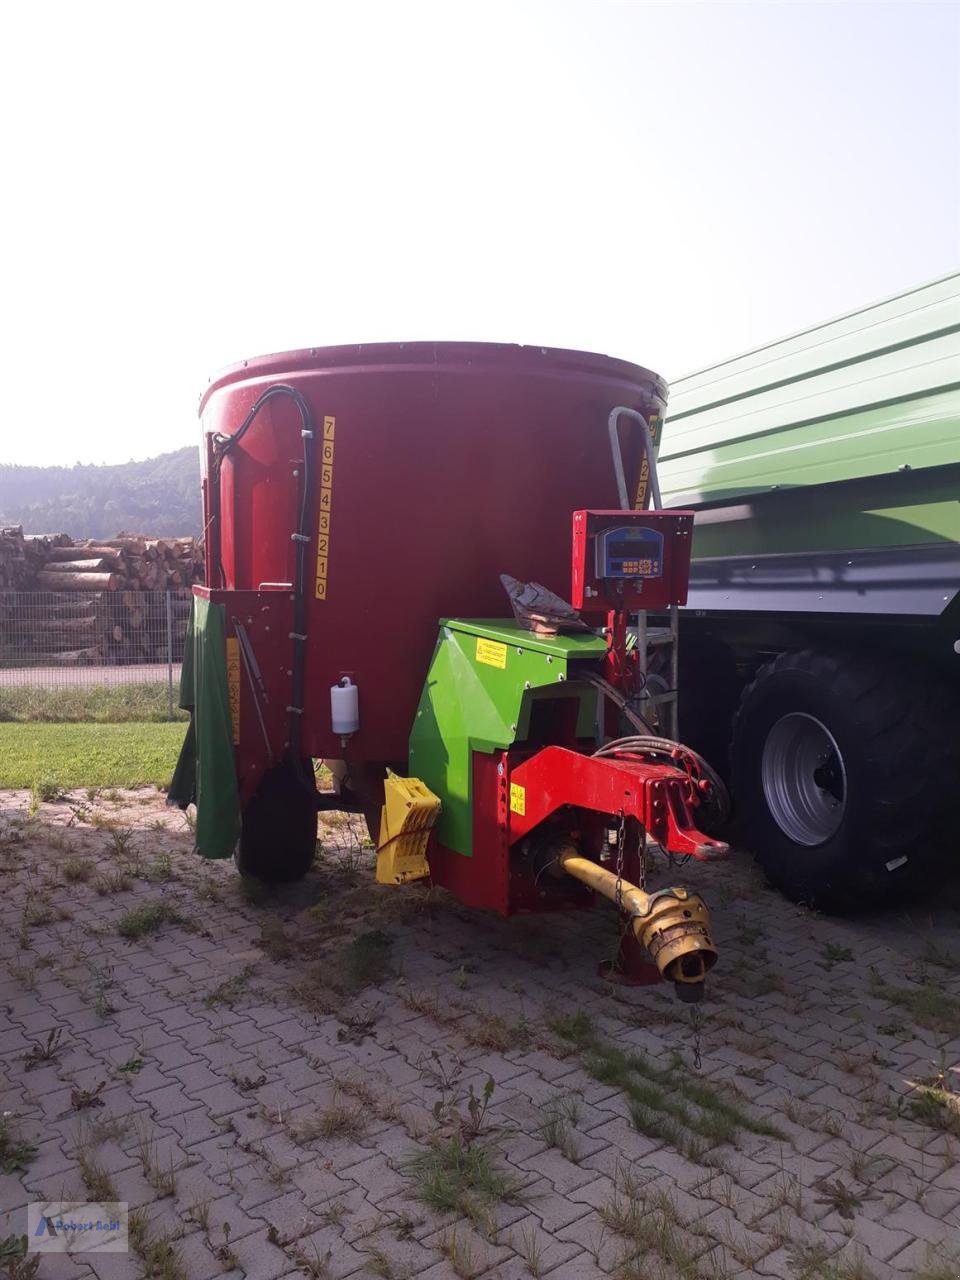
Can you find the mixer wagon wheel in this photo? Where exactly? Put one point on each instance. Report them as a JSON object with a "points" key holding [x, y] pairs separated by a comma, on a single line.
{"points": [[278, 828], [844, 768]]}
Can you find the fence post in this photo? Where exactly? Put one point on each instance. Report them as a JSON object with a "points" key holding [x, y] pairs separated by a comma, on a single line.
{"points": [[169, 600]]}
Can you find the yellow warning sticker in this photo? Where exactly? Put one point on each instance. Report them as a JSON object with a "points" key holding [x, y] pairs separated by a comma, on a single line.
{"points": [[518, 799], [233, 685], [491, 653]]}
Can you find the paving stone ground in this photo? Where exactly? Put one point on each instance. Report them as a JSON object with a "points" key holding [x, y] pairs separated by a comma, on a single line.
{"points": [[255, 1076]]}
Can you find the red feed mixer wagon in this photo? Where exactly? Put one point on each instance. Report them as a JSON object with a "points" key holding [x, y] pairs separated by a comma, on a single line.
{"points": [[360, 506]]}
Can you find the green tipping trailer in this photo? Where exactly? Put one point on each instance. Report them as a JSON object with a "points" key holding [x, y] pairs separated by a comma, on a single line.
{"points": [[819, 649]]}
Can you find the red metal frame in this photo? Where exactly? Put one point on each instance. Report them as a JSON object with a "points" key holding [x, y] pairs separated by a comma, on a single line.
{"points": [[267, 617], [661, 797]]}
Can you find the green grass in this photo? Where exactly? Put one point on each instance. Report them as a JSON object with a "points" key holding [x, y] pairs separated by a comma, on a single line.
{"points": [[88, 755], [98, 704], [456, 1176], [927, 1004], [147, 919], [666, 1103]]}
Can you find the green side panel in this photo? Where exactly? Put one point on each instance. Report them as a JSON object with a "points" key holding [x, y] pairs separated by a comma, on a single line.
{"points": [[918, 507], [858, 403], [205, 772], [481, 686]]}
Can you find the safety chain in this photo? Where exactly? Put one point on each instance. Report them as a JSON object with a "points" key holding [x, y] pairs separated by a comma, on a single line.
{"points": [[621, 841], [696, 1020]]}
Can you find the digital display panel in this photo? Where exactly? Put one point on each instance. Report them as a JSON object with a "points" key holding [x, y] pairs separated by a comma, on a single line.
{"points": [[625, 552]]}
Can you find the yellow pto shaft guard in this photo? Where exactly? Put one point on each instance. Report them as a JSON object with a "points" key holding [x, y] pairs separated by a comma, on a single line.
{"points": [[673, 924]]}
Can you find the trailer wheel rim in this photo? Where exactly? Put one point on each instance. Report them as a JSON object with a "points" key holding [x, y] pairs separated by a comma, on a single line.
{"points": [[804, 779]]}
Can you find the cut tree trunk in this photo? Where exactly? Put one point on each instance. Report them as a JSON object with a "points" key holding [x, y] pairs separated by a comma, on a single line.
{"points": [[99, 565], [49, 581]]}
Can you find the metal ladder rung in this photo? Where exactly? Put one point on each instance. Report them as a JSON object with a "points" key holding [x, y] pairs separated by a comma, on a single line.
{"points": [[660, 637]]}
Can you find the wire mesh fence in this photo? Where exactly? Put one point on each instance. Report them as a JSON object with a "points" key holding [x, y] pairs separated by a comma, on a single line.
{"points": [[55, 639]]}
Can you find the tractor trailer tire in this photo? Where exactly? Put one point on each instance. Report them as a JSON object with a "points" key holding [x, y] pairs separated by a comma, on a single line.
{"points": [[844, 773], [278, 828]]}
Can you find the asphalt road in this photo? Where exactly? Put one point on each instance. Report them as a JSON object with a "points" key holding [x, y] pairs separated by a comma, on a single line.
{"points": [[54, 677]]}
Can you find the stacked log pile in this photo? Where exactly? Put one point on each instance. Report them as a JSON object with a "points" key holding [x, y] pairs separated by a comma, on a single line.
{"points": [[108, 605]]}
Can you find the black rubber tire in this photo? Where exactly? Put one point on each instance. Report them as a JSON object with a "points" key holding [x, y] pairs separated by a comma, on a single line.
{"points": [[278, 828], [710, 689], [895, 731]]}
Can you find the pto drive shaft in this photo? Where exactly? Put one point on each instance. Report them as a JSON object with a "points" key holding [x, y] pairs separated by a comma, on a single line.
{"points": [[672, 924]]}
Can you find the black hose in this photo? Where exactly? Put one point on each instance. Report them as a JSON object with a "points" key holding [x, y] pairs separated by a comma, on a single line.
{"points": [[223, 446], [667, 748], [616, 697]]}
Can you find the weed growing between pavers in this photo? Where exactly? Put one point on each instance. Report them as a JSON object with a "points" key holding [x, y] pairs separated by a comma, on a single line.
{"points": [[490, 1030], [15, 1152], [653, 1231], [455, 1175], [43, 1051], [334, 1121], [461, 1254], [556, 1130], [77, 870], [229, 991], [112, 882], [528, 1247], [939, 956], [665, 1103], [274, 939], [100, 1186], [365, 961], [345, 970], [940, 1264], [147, 918], [16, 1259], [819, 1262], [927, 1004], [933, 1102], [159, 1258]]}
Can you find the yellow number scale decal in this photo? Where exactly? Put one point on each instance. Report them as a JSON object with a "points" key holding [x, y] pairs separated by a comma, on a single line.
{"points": [[326, 504]]}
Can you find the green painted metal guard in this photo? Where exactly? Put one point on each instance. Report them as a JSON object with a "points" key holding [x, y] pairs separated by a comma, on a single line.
{"points": [[205, 772], [478, 695]]}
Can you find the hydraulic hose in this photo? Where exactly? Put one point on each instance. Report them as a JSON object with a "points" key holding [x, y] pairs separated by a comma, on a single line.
{"points": [[223, 446], [673, 753]]}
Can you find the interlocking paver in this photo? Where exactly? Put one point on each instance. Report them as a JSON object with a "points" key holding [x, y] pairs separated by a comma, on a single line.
{"points": [[223, 1074]]}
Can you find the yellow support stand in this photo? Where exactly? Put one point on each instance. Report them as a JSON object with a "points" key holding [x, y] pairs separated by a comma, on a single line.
{"points": [[408, 814]]}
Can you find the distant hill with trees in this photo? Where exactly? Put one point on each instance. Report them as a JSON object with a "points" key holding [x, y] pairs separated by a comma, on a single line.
{"points": [[160, 496]]}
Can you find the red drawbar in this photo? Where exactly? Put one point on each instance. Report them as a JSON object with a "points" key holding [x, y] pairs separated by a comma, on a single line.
{"points": [[659, 796]]}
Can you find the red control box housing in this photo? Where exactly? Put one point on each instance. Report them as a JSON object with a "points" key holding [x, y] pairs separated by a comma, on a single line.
{"points": [[630, 560]]}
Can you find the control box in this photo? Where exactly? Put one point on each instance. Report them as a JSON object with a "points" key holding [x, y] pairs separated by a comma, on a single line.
{"points": [[630, 560]]}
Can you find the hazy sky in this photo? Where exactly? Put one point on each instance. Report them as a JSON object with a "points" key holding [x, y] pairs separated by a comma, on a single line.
{"points": [[188, 185]]}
